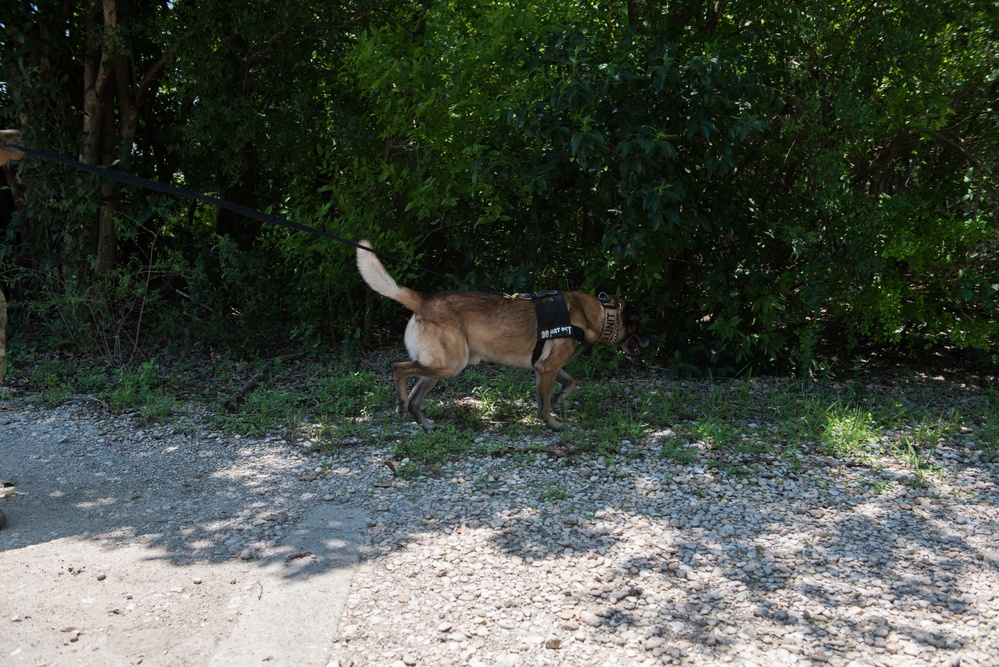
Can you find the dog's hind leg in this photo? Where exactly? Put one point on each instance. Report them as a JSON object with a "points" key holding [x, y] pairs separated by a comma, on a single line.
{"points": [[420, 389], [426, 378], [401, 372]]}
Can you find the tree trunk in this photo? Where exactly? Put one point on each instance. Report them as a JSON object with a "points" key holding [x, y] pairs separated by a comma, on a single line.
{"points": [[98, 237], [109, 59], [3, 334]]}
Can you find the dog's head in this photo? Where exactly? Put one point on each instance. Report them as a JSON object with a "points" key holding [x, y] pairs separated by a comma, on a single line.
{"points": [[633, 337], [625, 325]]}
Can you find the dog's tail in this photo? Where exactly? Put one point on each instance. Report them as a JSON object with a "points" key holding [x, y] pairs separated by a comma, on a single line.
{"points": [[381, 281]]}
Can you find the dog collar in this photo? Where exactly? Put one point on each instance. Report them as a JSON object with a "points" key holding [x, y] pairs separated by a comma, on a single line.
{"points": [[611, 319]]}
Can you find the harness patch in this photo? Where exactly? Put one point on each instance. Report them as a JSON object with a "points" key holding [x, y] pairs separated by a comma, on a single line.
{"points": [[553, 320]]}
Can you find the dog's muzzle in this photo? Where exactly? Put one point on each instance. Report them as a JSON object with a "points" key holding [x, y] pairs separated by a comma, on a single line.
{"points": [[633, 344]]}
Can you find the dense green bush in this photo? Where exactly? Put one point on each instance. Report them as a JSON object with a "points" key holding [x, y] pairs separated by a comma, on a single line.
{"points": [[778, 183]]}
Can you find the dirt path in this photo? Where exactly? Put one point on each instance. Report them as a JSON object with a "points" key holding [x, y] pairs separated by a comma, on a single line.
{"points": [[163, 546]]}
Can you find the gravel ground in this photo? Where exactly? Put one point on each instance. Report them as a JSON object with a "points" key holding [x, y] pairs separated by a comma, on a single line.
{"points": [[637, 561], [553, 559]]}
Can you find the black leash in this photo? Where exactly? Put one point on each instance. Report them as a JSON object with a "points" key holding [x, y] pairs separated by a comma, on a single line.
{"points": [[245, 211]]}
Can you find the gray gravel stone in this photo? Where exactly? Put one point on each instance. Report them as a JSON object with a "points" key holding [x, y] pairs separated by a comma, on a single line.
{"points": [[637, 560]]}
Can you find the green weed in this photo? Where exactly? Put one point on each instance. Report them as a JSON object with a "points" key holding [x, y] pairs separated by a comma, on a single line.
{"points": [[445, 443], [53, 380], [141, 390], [848, 431], [343, 393], [987, 432], [715, 434], [677, 451], [878, 486], [263, 410], [553, 492]]}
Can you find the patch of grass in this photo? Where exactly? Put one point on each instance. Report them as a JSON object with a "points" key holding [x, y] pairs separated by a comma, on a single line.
{"points": [[715, 434], [606, 436], [344, 392], [661, 405], [263, 410], [848, 431], [594, 363], [553, 492], [596, 402], [678, 451], [52, 379], [986, 433], [445, 443], [731, 468], [332, 435], [483, 395], [988, 440], [142, 390], [917, 451], [878, 486], [608, 414]]}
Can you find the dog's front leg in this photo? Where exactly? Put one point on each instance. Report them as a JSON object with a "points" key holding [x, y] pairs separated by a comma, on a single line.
{"points": [[568, 385], [544, 380]]}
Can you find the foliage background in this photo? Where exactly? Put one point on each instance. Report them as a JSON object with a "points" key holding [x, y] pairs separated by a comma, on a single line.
{"points": [[782, 185]]}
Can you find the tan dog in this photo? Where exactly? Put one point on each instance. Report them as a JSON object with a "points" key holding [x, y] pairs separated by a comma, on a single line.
{"points": [[450, 330], [8, 153]]}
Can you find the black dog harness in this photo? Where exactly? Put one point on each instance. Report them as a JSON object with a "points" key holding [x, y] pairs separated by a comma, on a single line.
{"points": [[553, 320]]}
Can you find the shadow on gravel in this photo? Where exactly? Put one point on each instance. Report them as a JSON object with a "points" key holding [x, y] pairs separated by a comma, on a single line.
{"points": [[164, 544], [187, 496], [832, 558]]}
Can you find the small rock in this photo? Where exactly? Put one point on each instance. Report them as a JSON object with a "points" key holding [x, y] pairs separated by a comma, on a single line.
{"points": [[653, 643], [553, 643]]}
